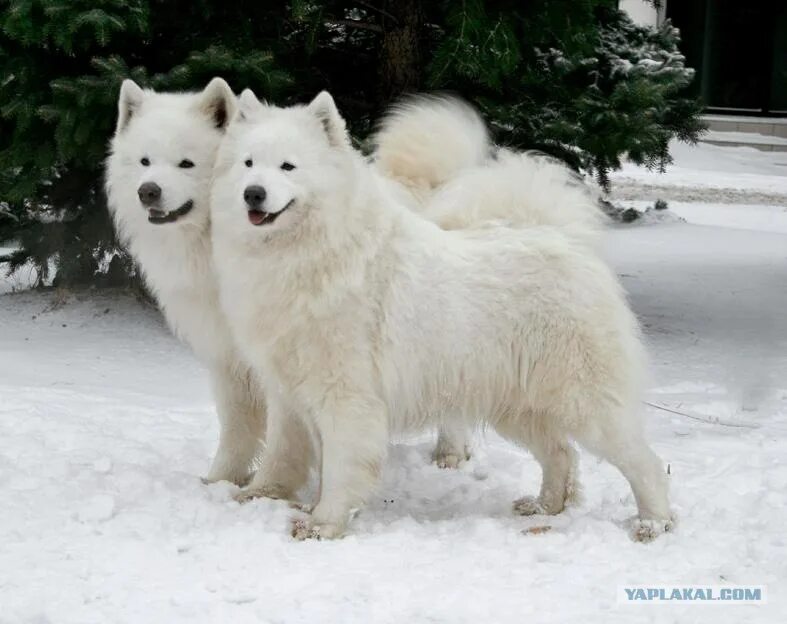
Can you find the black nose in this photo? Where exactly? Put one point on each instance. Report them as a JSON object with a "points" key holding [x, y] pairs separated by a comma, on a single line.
{"points": [[254, 196], [149, 193]]}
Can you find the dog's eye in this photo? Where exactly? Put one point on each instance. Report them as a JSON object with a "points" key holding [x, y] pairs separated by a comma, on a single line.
{"points": [[185, 164], [287, 166], [145, 162], [248, 162]]}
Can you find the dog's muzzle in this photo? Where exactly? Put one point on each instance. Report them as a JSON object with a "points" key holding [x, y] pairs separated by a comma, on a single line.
{"points": [[261, 217], [158, 217]]}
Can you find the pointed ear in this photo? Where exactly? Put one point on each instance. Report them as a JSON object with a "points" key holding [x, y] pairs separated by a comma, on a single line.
{"points": [[324, 108], [131, 96], [218, 102], [247, 104]]}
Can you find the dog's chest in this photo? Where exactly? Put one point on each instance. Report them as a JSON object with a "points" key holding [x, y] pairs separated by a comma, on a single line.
{"points": [[181, 277], [195, 317]]}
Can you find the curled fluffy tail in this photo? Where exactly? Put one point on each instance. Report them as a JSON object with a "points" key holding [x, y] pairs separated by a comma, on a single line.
{"points": [[438, 150], [425, 141]]}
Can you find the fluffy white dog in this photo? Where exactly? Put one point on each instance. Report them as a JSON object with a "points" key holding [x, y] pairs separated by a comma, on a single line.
{"points": [[158, 185], [361, 317]]}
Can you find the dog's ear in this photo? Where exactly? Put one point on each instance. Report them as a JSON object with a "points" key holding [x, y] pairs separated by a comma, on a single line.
{"points": [[248, 104], [131, 96], [218, 102], [324, 108]]}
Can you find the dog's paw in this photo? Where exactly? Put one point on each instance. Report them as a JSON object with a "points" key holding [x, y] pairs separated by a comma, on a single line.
{"points": [[239, 479], [266, 491], [306, 528], [645, 531], [450, 458], [529, 506], [304, 507]]}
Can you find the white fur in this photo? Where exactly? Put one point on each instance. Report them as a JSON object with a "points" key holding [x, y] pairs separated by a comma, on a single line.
{"points": [[175, 258], [519, 190], [426, 141], [439, 151], [361, 318]]}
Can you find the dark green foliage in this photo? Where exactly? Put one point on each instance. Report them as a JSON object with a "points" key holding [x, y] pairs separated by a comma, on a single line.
{"points": [[573, 78], [62, 64], [588, 90]]}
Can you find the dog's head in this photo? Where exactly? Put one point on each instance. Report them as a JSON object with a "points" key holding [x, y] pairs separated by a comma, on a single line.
{"points": [[282, 169], [163, 153]]}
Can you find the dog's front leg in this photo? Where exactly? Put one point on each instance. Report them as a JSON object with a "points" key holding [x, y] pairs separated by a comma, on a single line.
{"points": [[242, 418], [353, 431], [453, 444]]}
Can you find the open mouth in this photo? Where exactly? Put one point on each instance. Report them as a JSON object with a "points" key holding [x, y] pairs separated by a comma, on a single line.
{"points": [[260, 217], [159, 216]]}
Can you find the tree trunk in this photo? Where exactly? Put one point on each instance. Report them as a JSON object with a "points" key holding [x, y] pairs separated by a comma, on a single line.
{"points": [[400, 53]]}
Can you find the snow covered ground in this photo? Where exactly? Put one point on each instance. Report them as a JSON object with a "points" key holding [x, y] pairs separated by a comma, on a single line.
{"points": [[106, 425], [709, 173]]}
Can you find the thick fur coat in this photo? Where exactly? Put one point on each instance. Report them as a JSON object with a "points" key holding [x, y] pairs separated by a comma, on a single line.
{"points": [[361, 317], [439, 149], [168, 142]]}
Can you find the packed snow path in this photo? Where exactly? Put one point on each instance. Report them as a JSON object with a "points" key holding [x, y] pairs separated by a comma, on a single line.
{"points": [[708, 173], [106, 425]]}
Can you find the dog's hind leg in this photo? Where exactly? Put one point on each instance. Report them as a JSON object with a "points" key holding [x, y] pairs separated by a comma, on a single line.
{"points": [[558, 460], [623, 445], [453, 446], [242, 420]]}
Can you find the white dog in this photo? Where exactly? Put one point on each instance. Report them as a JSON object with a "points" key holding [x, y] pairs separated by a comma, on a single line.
{"points": [[361, 317], [158, 185]]}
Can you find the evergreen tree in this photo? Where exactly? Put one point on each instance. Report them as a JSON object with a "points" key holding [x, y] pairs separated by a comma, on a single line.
{"points": [[587, 90], [573, 78]]}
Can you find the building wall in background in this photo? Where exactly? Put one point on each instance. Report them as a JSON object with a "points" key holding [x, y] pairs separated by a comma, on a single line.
{"points": [[739, 50], [642, 12]]}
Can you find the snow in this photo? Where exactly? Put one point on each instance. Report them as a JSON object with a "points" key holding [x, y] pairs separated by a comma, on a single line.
{"points": [[709, 173], [755, 217], [106, 425], [731, 136], [23, 278]]}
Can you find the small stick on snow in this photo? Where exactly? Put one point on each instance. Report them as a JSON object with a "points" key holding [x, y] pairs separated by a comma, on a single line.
{"points": [[536, 530], [710, 420]]}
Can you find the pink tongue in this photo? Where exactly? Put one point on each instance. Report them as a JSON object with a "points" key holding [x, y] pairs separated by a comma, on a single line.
{"points": [[256, 216]]}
